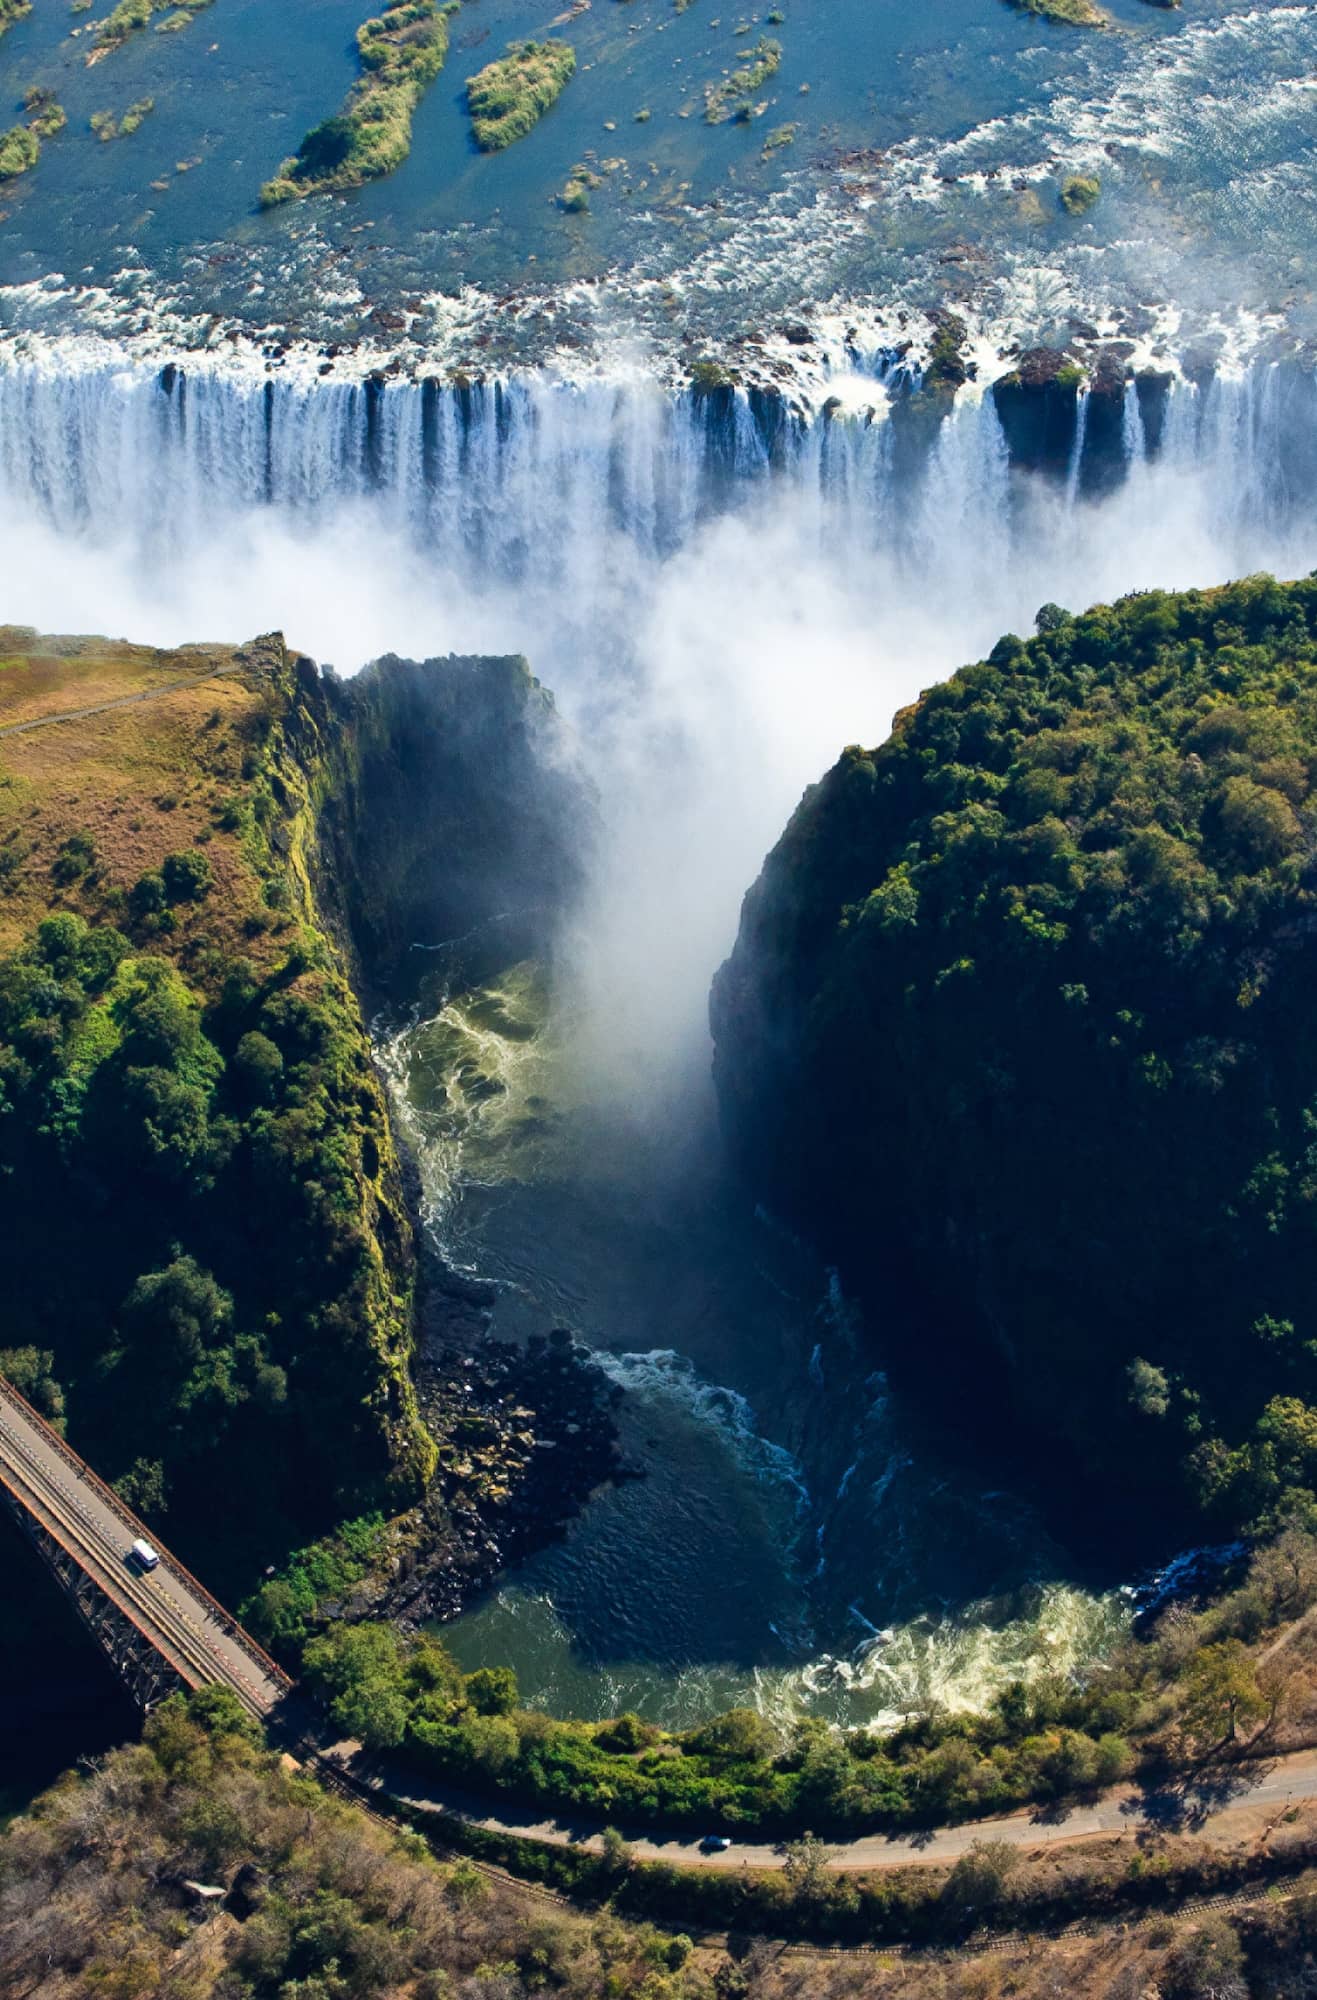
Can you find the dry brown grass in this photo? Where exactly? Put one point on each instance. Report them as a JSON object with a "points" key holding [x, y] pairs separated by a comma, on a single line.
{"points": [[143, 780]]}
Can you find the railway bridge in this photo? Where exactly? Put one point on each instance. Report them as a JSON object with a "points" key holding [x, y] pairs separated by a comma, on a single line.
{"points": [[161, 1629]]}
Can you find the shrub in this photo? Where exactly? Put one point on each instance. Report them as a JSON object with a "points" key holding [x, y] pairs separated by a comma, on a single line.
{"points": [[508, 97], [1208, 1964], [73, 859], [1079, 192], [980, 1880], [187, 877], [19, 152]]}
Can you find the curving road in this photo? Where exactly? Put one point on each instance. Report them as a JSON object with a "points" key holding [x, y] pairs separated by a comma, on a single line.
{"points": [[1243, 1800], [47, 1481]]}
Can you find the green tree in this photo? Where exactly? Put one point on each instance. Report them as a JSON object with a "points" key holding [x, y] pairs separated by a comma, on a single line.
{"points": [[357, 1670], [626, 1734], [187, 877], [742, 1735], [492, 1690], [258, 1066], [1149, 1389], [147, 896], [1221, 1694], [615, 1850], [74, 857], [31, 1371], [172, 1317], [143, 1487], [220, 1713], [981, 1878], [805, 1863], [1114, 1760]]}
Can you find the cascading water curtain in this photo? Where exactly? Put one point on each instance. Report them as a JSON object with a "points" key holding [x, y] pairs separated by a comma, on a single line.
{"points": [[529, 478]]}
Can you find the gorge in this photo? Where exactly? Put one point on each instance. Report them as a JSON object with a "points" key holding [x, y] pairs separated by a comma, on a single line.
{"points": [[721, 588], [669, 1131]]}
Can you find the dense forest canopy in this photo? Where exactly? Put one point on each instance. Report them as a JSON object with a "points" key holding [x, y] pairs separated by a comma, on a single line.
{"points": [[1019, 1017], [187, 1178]]}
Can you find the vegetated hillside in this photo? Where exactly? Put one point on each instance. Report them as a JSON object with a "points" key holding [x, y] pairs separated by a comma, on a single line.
{"points": [[210, 1266], [195, 1865], [1019, 1021], [309, 1900]]}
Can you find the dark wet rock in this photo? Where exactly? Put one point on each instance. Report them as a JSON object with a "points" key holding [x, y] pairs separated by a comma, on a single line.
{"points": [[773, 421], [1152, 386], [525, 1436], [1102, 466], [1038, 407], [1200, 362]]}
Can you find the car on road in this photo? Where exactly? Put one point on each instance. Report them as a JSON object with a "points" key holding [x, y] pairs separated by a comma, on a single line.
{"points": [[143, 1556], [715, 1843]]}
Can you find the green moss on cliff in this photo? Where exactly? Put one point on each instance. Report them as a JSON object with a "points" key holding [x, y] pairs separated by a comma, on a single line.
{"points": [[1019, 1012], [401, 53], [200, 868], [11, 11]]}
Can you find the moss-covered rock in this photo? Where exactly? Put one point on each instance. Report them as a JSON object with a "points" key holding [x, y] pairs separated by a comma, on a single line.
{"points": [[1037, 402], [1071, 13], [733, 97], [1079, 192], [129, 18], [107, 127]]}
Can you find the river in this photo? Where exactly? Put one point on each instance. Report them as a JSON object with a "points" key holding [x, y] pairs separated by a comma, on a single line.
{"points": [[799, 1537]]}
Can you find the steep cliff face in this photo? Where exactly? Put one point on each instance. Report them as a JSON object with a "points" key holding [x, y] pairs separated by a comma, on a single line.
{"points": [[204, 857], [455, 821], [1017, 1023]]}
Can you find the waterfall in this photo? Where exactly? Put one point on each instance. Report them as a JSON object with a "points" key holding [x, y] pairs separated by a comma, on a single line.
{"points": [[550, 515], [529, 477], [1133, 434], [721, 586], [1075, 467]]}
